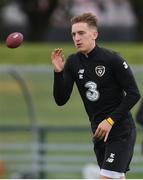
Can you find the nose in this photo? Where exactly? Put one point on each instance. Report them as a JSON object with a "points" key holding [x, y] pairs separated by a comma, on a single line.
{"points": [[77, 37]]}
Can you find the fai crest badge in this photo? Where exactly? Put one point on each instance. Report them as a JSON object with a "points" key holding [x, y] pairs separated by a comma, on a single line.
{"points": [[100, 70]]}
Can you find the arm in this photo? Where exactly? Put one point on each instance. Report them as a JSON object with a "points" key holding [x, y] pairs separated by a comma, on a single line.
{"points": [[125, 78], [63, 81], [139, 114]]}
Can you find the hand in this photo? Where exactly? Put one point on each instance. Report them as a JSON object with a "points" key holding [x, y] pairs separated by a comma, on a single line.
{"points": [[58, 60], [103, 130]]}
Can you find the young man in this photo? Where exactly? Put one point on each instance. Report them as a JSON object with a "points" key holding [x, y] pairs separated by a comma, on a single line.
{"points": [[108, 90]]}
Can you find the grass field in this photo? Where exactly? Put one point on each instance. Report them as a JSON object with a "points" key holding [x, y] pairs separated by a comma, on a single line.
{"points": [[40, 53], [13, 110]]}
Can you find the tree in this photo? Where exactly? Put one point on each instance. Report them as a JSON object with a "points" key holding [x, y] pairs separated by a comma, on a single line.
{"points": [[39, 13], [138, 9], [2, 3]]}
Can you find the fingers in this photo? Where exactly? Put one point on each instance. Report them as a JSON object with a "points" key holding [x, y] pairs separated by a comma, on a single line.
{"points": [[106, 137], [58, 59], [103, 130], [63, 57], [58, 51], [100, 134]]}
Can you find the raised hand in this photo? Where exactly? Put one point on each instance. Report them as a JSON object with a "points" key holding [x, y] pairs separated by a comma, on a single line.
{"points": [[58, 60]]}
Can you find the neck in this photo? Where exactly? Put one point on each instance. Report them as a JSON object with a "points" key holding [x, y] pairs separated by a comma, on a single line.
{"points": [[86, 53]]}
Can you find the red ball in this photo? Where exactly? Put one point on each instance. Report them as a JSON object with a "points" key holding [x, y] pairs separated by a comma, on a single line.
{"points": [[14, 40]]}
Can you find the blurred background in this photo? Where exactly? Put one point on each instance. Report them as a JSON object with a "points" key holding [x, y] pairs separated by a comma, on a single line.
{"points": [[40, 20], [38, 139]]}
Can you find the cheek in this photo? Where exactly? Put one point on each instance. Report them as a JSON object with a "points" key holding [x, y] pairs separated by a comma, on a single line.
{"points": [[87, 40], [74, 40], [88, 37]]}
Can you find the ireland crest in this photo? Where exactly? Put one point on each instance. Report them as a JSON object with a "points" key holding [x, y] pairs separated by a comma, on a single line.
{"points": [[100, 70]]}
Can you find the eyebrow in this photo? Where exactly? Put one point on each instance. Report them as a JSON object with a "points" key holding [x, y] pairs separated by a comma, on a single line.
{"points": [[73, 33]]}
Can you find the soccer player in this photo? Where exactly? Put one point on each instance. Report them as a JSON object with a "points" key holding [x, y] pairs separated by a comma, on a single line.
{"points": [[108, 90]]}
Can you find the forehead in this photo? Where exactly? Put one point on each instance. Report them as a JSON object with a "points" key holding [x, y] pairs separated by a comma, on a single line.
{"points": [[81, 26]]}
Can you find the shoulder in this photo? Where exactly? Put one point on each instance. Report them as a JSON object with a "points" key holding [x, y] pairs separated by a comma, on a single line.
{"points": [[72, 59], [109, 53], [71, 62], [112, 57]]}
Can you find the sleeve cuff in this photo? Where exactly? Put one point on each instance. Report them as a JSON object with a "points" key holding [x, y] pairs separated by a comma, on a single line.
{"points": [[58, 73]]}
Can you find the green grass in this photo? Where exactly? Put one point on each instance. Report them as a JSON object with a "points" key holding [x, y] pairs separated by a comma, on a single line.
{"points": [[40, 53]]}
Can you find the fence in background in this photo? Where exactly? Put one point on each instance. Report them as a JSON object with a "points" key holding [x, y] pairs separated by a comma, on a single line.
{"points": [[43, 159], [37, 159], [43, 145]]}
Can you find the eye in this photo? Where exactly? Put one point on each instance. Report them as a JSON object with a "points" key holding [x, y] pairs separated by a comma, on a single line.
{"points": [[73, 34], [81, 32]]}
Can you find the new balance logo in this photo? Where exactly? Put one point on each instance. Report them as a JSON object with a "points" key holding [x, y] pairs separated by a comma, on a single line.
{"points": [[125, 65], [110, 159], [112, 155], [80, 72]]}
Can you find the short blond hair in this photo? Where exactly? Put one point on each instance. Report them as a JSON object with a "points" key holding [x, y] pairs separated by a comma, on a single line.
{"points": [[88, 18]]}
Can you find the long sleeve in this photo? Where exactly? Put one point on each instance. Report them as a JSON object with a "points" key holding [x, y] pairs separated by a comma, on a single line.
{"points": [[125, 78], [63, 85], [139, 114]]}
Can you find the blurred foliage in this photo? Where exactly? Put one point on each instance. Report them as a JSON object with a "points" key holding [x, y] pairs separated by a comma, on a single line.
{"points": [[138, 9], [39, 13], [2, 2]]}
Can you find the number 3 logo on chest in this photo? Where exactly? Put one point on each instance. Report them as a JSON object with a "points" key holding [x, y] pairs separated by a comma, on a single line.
{"points": [[92, 93]]}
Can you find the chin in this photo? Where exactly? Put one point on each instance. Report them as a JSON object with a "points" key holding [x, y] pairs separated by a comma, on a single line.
{"points": [[82, 50]]}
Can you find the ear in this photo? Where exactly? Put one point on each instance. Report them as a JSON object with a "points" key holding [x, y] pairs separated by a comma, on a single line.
{"points": [[95, 35]]}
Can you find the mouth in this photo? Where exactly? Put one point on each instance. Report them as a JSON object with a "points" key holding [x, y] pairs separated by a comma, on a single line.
{"points": [[79, 45]]}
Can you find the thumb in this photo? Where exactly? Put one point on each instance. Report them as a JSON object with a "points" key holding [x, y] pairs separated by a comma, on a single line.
{"points": [[63, 58]]}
